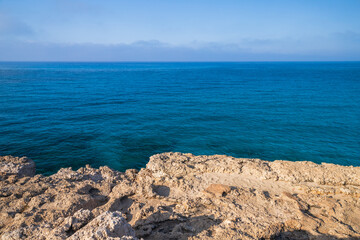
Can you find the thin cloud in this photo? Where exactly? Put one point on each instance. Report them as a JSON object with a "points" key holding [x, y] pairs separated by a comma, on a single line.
{"points": [[326, 48], [11, 27]]}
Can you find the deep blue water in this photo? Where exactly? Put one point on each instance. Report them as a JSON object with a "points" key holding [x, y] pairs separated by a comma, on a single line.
{"points": [[119, 114]]}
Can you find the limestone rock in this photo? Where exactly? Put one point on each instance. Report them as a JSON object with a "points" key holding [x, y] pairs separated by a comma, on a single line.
{"points": [[15, 166], [105, 226], [181, 196], [218, 190]]}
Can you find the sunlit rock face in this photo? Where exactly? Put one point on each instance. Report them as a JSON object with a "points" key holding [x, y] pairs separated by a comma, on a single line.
{"points": [[181, 196]]}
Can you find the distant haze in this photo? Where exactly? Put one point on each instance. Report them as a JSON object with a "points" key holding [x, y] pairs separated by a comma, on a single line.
{"points": [[163, 30]]}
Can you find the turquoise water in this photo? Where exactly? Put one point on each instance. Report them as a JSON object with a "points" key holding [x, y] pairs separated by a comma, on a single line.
{"points": [[119, 114]]}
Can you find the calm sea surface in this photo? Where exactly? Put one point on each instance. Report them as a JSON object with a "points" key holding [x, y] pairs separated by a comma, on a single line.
{"points": [[119, 114]]}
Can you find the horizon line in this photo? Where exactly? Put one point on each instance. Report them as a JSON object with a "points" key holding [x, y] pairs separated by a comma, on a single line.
{"points": [[249, 61]]}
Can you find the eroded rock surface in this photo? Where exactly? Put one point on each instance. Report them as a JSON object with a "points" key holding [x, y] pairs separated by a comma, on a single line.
{"points": [[16, 167], [182, 196], [106, 225]]}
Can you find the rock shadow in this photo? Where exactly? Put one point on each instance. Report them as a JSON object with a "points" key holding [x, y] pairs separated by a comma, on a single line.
{"points": [[161, 226], [161, 190], [122, 204], [304, 235]]}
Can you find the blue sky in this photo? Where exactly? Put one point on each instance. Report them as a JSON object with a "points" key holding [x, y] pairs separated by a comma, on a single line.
{"points": [[165, 30]]}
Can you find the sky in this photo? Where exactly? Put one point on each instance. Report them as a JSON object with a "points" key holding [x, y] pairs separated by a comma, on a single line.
{"points": [[186, 30]]}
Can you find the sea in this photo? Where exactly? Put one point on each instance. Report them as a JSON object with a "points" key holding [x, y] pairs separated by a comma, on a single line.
{"points": [[67, 114]]}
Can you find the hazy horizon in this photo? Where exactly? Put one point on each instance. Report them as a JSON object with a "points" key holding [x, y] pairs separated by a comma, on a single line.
{"points": [[255, 61], [162, 31]]}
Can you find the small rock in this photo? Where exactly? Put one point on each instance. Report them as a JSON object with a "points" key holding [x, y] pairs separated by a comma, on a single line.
{"points": [[219, 190], [107, 225], [18, 166]]}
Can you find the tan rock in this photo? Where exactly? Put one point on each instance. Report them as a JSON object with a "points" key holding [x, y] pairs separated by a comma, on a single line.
{"points": [[107, 225], [218, 190], [181, 196], [15, 166]]}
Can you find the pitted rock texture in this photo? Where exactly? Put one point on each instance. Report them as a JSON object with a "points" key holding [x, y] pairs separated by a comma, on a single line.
{"points": [[106, 225], [182, 196], [16, 167]]}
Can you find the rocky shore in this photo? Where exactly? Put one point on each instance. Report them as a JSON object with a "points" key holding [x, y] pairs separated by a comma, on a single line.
{"points": [[181, 196]]}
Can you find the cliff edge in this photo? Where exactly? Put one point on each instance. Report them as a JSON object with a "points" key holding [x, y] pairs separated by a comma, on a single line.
{"points": [[181, 196]]}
